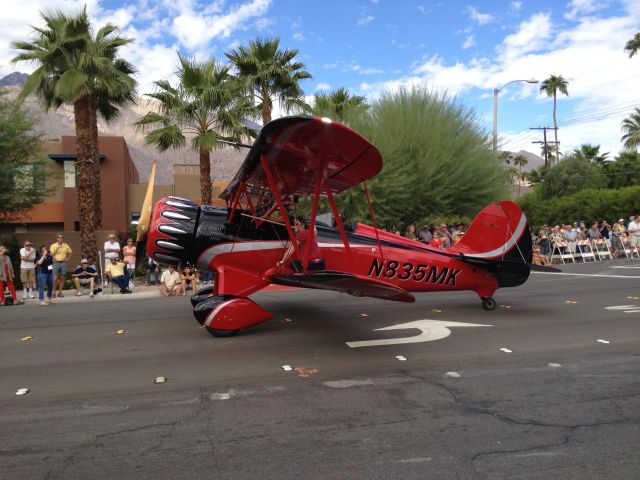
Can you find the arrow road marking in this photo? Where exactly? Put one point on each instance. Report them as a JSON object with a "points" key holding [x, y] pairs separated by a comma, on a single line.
{"points": [[430, 330]]}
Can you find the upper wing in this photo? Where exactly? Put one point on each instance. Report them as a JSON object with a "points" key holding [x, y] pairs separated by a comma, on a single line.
{"points": [[344, 282], [296, 148]]}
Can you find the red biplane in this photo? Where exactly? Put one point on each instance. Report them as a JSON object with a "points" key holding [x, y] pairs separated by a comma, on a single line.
{"points": [[315, 157]]}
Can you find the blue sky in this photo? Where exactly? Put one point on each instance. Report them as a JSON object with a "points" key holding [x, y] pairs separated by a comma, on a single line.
{"points": [[466, 48]]}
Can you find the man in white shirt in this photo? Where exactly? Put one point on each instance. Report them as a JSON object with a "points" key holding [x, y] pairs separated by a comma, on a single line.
{"points": [[634, 234], [28, 270], [170, 283], [111, 249]]}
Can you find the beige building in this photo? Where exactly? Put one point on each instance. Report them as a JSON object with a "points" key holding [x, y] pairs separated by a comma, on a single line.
{"points": [[122, 194]]}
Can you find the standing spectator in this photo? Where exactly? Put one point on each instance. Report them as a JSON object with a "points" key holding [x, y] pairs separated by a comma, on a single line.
{"points": [[6, 277], [605, 230], [61, 253], [543, 240], [634, 233], [44, 272], [153, 270], [425, 234], [188, 278], [129, 253], [84, 276], [445, 235], [617, 233], [116, 272], [170, 283], [111, 249], [28, 270], [411, 233]]}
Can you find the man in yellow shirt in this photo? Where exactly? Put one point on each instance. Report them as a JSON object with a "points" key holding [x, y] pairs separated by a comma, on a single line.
{"points": [[116, 272], [61, 253]]}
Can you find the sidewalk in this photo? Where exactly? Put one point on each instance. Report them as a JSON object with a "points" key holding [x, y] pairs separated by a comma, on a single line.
{"points": [[139, 291]]}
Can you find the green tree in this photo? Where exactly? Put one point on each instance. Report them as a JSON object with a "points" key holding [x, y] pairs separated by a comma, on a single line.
{"points": [[548, 152], [551, 86], [571, 175], [591, 153], [22, 165], [631, 129], [633, 45], [206, 106], [624, 171], [76, 67], [438, 161], [339, 105], [270, 73]]}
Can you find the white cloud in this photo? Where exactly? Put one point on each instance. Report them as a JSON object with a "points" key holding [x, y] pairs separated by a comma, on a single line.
{"points": [[469, 42], [323, 86], [479, 18], [264, 23], [364, 19], [193, 29], [516, 6], [532, 34], [363, 70], [583, 7], [298, 36]]}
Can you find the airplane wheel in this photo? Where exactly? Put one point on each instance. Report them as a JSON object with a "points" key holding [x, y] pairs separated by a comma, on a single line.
{"points": [[488, 303], [216, 332]]}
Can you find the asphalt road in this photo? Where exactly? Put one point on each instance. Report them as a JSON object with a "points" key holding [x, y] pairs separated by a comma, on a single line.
{"points": [[561, 405]]}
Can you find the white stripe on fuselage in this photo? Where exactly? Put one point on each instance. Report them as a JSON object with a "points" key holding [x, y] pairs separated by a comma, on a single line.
{"points": [[507, 246]]}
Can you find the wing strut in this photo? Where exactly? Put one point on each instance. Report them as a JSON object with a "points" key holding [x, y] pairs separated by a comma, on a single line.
{"points": [[336, 215], [283, 212], [373, 218]]}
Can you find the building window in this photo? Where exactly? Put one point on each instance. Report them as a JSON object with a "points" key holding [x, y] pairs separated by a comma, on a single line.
{"points": [[69, 174]]}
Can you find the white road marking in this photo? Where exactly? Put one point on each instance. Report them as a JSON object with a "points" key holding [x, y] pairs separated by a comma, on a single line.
{"points": [[586, 275], [600, 340], [430, 330], [554, 365], [629, 266], [452, 374], [506, 350], [625, 308], [348, 383]]}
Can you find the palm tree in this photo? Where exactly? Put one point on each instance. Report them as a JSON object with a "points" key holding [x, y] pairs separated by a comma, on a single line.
{"points": [[207, 106], [270, 73], [633, 45], [548, 151], [338, 103], [74, 67], [551, 86], [631, 129], [591, 153]]}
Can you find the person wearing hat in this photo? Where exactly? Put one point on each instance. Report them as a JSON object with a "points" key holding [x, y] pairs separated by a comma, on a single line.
{"points": [[61, 253], [111, 248], [618, 232], [84, 276], [28, 270]]}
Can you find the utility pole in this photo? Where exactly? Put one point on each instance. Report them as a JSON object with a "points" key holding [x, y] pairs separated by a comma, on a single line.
{"points": [[545, 142]]}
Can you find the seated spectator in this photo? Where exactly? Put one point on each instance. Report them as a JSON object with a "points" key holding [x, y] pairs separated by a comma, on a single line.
{"points": [[594, 232], [116, 272], [617, 232], [188, 278], [170, 283], [539, 258], [84, 276]]}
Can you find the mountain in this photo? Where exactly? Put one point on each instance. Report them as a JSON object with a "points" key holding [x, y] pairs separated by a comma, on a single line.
{"points": [[533, 160], [53, 124], [15, 78]]}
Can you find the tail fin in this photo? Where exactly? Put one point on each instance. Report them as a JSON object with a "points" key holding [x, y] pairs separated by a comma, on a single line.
{"points": [[499, 239]]}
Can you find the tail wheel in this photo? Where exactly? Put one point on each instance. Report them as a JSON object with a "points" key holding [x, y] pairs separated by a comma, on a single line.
{"points": [[216, 332], [488, 303]]}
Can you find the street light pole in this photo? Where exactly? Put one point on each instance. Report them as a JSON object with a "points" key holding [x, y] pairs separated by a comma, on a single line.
{"points": [[496, 91]]}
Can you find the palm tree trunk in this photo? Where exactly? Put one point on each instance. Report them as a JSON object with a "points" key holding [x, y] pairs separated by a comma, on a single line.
{"points": [[555, 129], [205, 177], [88, 196], [95, 154], [266, 109]]}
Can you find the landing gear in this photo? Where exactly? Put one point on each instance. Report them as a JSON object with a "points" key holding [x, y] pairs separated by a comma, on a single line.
{"points": [[488, 303], [216, 332]]}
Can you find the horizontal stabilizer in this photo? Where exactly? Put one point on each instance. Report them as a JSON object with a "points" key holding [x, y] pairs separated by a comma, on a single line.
{"points": [[344, 282]]}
